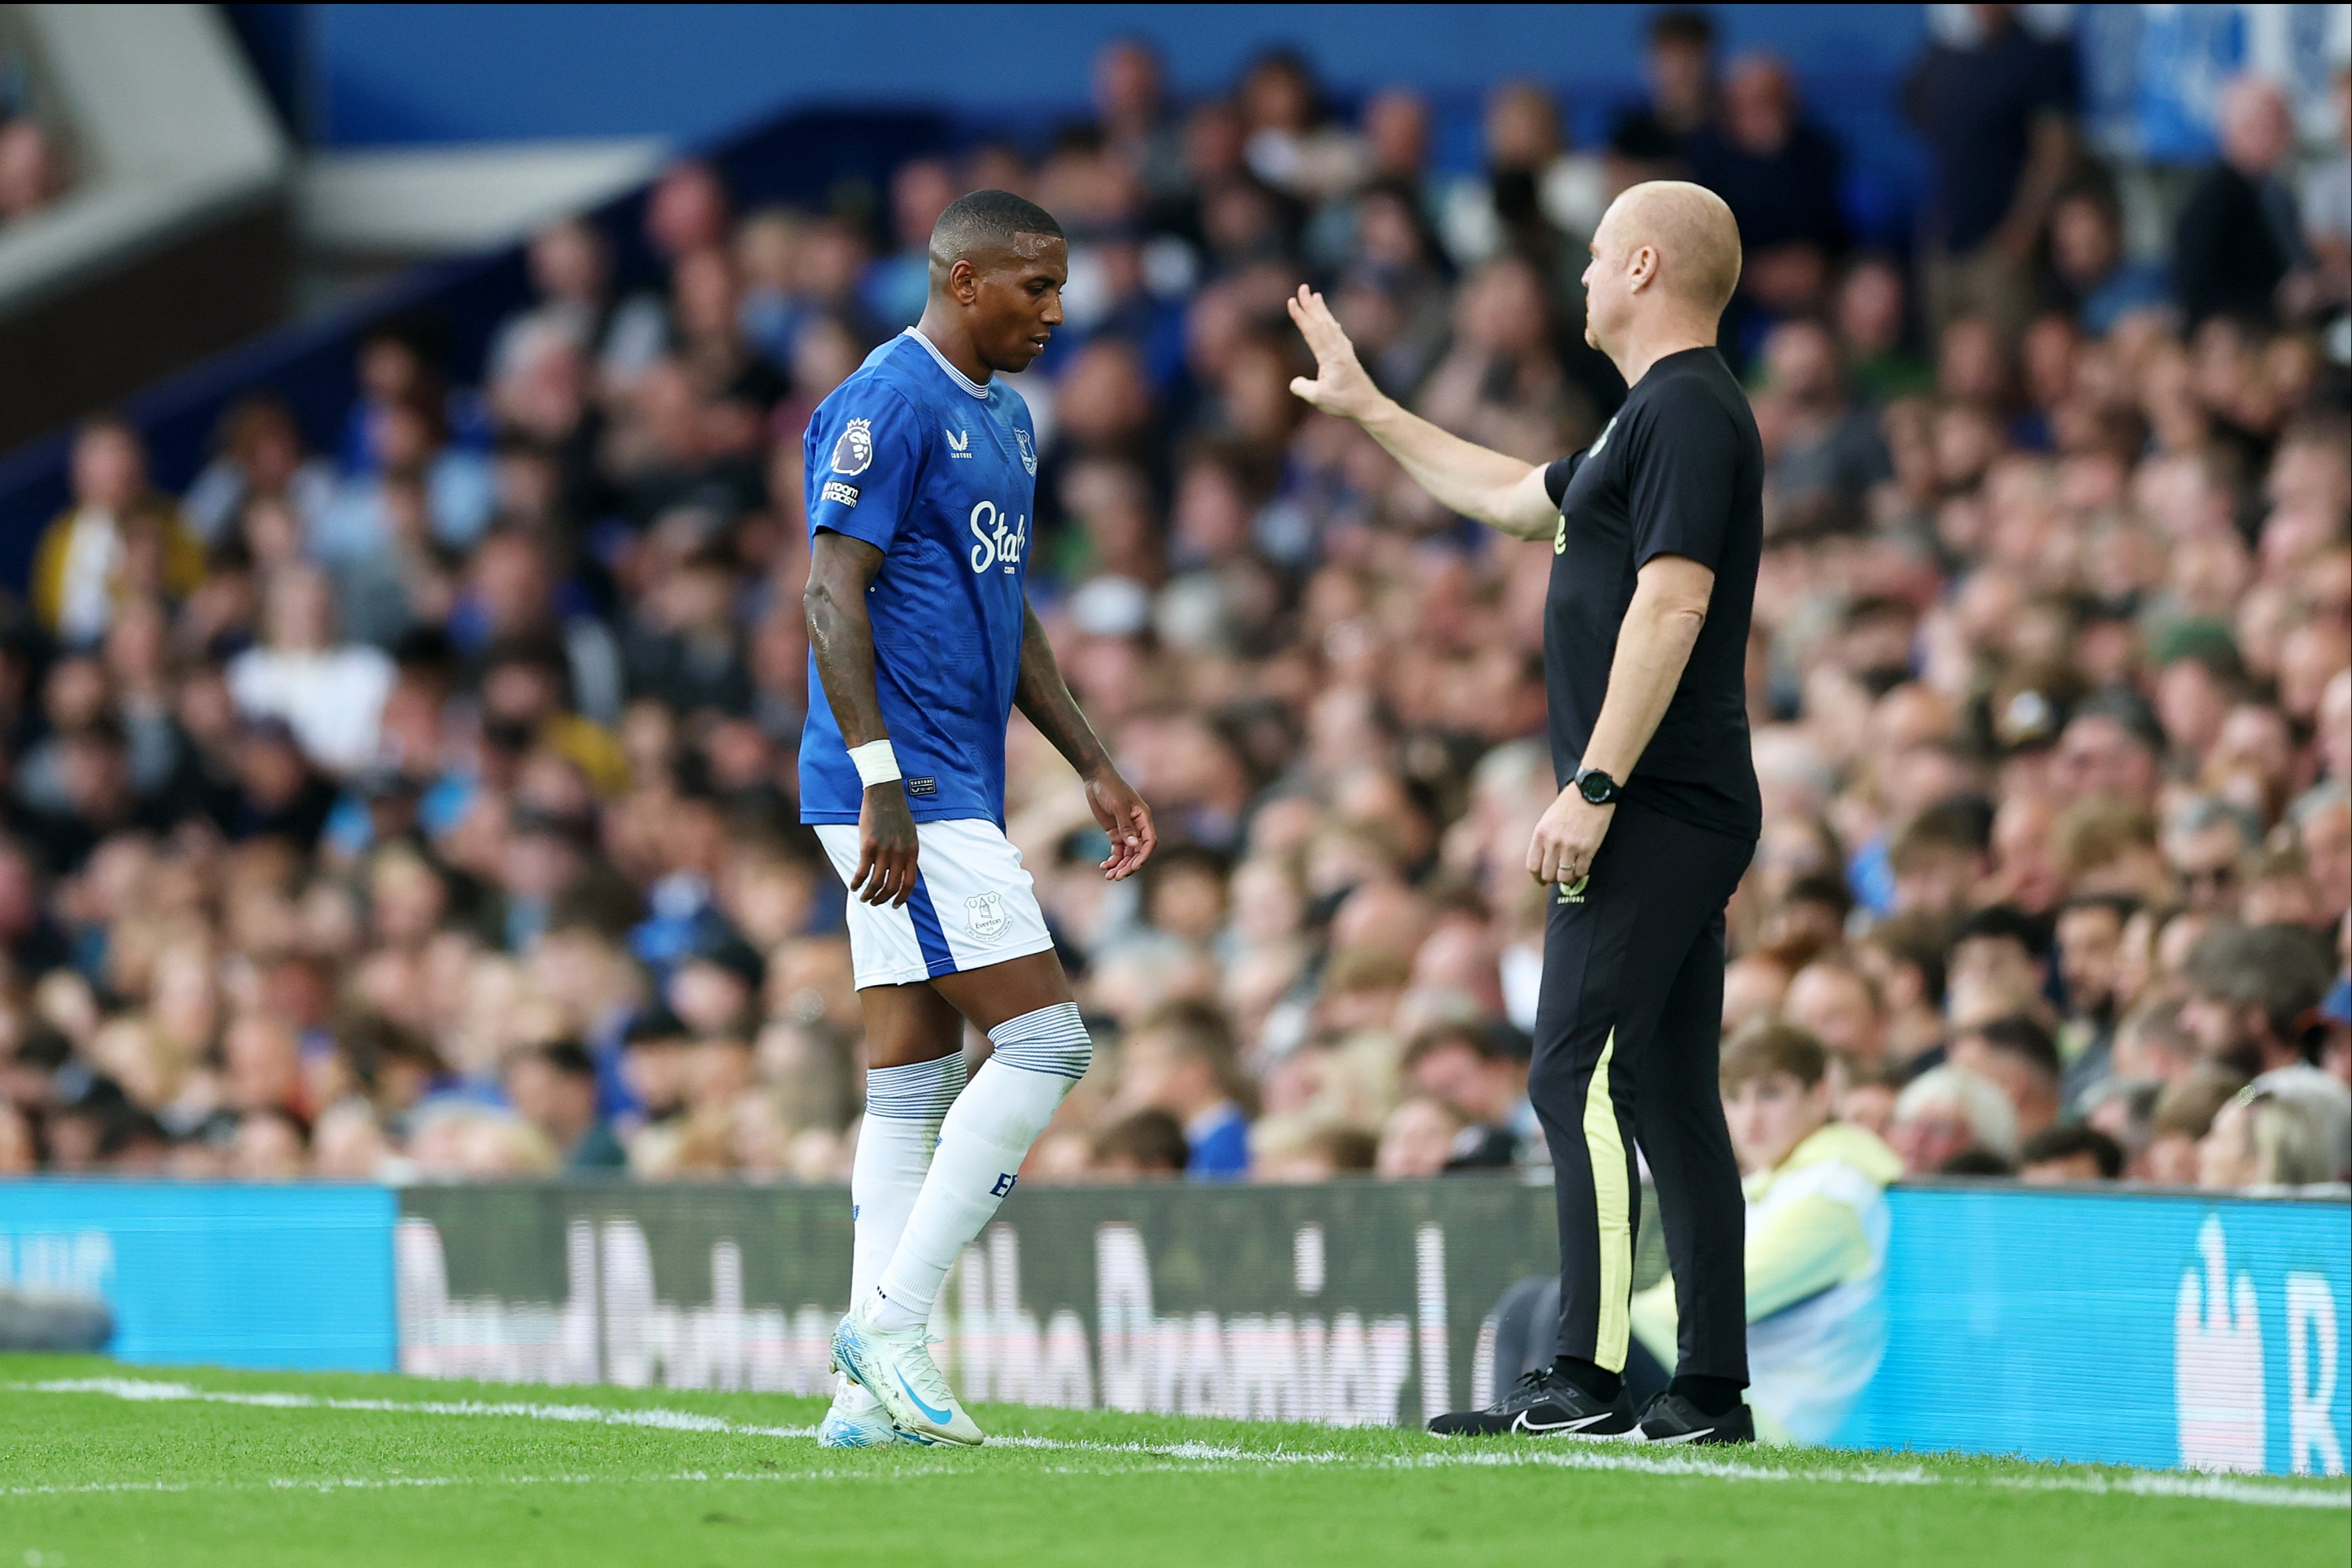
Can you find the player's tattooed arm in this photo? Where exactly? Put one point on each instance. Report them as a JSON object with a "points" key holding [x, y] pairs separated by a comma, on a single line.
{"points": [[841, 634], [1044, 698]]}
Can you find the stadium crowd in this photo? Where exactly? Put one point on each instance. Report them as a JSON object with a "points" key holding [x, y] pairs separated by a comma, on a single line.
{"points": [[423, 806]]}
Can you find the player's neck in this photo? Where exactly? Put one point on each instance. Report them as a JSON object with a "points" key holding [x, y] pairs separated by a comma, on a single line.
{"points": [[1647, 344], [947, 333]]}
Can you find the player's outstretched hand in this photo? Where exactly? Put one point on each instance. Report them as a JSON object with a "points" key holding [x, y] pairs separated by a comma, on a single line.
{"points": [[1127, 820], [886, 847], [1341, 385]]}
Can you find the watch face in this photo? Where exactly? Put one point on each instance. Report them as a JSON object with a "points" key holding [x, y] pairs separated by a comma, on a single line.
{"points": [[1596, 788]]}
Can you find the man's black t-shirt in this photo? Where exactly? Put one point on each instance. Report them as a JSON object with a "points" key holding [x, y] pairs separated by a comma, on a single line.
{"points": [[1679, 472]]}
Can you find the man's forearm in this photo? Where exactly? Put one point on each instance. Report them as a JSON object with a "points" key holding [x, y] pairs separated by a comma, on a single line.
{"points": [[841, 635], [1462, 476], [1044, 698], [1653, 646]]}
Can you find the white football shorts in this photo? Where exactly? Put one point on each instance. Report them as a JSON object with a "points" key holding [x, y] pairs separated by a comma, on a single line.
{"points": [[973, 905]]}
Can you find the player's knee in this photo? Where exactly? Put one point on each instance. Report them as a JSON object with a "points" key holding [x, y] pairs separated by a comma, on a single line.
{"points": [[1050, 1040]]}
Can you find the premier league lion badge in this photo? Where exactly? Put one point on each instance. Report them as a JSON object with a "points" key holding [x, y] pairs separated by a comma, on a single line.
{"points": [[984, 913], [1028, 452], [854, 451]]}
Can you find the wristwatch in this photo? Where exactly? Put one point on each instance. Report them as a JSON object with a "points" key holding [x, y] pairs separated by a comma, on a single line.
{"points": [[1597, 787]]}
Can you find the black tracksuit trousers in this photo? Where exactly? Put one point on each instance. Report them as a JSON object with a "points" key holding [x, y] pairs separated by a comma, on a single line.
{"points": [[1625, 1051]]}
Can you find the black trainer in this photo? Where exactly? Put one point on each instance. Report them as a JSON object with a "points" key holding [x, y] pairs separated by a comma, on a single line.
{"points": [[1543, 1404], [1672, 1418]]}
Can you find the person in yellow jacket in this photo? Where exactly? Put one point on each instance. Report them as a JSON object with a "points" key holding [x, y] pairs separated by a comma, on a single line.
{"points": [[1816, 1248], [120, 539]]}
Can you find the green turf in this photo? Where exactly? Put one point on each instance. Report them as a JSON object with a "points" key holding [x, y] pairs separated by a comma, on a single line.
{"points": [[91, 1478]]}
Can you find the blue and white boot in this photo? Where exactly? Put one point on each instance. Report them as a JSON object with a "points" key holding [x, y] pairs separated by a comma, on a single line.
{"points": [[858, 1420], [895, 1366]]}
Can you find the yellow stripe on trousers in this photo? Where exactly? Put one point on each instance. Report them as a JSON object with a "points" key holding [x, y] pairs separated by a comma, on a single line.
{"points": [[1613, 1206]]}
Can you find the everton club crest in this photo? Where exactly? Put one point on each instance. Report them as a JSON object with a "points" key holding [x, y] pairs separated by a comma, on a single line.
{"points": [[985, 914]]}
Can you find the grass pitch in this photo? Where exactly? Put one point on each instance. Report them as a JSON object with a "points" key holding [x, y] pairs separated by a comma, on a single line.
{"points": [[101, 1464]]}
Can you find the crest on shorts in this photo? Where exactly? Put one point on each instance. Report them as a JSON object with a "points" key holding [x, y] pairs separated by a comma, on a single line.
{"points": [[854, 453], [1028, 452], [1573, 892], [985, 915]]}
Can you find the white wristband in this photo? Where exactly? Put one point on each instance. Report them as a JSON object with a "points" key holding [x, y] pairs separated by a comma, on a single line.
{"points": [[876, 763]]}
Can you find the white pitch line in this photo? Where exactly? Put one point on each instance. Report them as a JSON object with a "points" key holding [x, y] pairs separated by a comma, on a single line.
{"points": [[1567, 1456]]}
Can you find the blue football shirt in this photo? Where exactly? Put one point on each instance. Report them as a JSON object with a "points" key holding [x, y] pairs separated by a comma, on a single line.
{"points": [[940, 475]]}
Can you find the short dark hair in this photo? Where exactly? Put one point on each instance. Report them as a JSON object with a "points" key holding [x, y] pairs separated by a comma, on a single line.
{"points": [[568, 1059], [1976, 1163], [1821, 887], [2123, 906], [1682, 26], [2019, 1036], [2068, 1139], [1148, 1140], [2003, 922], [655, 1025], [1918, 938], [2130, 711], [1964, 822], [981, 220]]}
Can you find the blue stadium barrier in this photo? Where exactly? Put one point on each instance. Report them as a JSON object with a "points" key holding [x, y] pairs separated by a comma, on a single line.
{"points": [[215, 1274], [2198, 1331], [2159, 1330]]}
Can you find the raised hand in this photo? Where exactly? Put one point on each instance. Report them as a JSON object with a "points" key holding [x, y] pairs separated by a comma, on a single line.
{"points": [[1342, 384]]}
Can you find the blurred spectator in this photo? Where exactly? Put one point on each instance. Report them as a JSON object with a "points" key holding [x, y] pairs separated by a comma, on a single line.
{"points": [[31, 172], [331, 695], [2325, 288], [2239, 236], [2018, 1055], [554, 1088], [1147, 1144], [1780, 177], [1996, 108], [1678, 73], [1180, 1059], [258, 458], [1419, 1139], [2069, 1151], [2264, 1139], [2184, 1115], [120, 539], [1484, 1079], [1534, 191], [1946, 1112], [2086, 251], [1816, 1235], [1828, 455]]}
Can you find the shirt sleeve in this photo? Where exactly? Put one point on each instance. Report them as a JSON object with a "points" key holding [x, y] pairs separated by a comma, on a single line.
{"points": [[1683, 475], [1804, 1248], [863, 461], [1557, 475]]}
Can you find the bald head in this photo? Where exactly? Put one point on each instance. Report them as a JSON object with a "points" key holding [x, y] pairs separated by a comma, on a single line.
{"points": [[1693, 232]]}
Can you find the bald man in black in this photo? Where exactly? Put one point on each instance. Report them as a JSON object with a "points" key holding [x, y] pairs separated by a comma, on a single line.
{"points": [[1656, 530]]}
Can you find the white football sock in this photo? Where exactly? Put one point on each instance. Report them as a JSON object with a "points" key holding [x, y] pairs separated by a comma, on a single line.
{"points": [[903, 1107], [1039, 1055]]}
